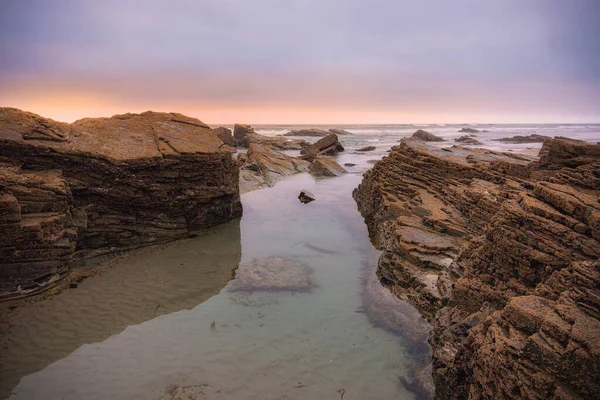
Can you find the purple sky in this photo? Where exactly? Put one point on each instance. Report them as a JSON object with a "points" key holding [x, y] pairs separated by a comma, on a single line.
{"points": [[284, 61]]}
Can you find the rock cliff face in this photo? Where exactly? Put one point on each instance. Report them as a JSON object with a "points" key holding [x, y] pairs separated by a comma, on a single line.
{"points": [[103, 185], [500, 253]]}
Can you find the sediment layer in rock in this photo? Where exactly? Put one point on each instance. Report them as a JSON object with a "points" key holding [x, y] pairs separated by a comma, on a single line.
{"points": [[500, 252], [102, 185]]}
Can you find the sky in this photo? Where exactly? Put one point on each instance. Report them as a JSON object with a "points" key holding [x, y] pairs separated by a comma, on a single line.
{"points": [[305, 61]]}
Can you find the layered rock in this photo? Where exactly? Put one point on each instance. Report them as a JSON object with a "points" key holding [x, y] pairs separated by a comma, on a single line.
{"points": [[264, 166], [245, 135], [103, 185], [322, 166], [500, 253], [329, 145], [226, 136]]}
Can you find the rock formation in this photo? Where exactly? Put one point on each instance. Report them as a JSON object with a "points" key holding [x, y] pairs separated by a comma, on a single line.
{"points": [[264, 166], [102, 185], [426, 136], [241, 130], [500, 253], [329, 145], [323, 166], [225, 135], [524, 139], [245, 135]]}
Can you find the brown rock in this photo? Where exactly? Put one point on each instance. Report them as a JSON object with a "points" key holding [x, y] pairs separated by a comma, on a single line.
{"points": [[329, 145], [225, 135], [265, 166], [241, 130], [322, 166], [278, 142], [469, 130], [106, 184], [499, 252]]}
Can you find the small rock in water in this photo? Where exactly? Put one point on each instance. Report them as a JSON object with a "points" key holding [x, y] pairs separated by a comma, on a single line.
{"points": [[349, 164], [306, 197], [366, 148]]}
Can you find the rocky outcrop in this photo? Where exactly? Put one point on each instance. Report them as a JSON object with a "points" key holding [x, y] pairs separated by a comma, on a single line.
{"points": [[466, 140], [264, 166], [226, 136], [426, 136], [103, 185], [278, 142], [329, 145], [534, 138], [245, 135], [500, 252], [241, 130], [468, 130], [322, 166]]}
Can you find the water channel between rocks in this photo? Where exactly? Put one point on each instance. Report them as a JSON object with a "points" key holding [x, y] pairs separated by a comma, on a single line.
{"points": [[148, 328]]}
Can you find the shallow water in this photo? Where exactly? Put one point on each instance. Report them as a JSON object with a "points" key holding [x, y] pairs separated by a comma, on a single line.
{"points": [[342, 334]]}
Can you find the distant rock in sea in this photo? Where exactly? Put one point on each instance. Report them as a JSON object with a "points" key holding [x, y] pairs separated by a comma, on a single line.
{"points": [[469, 130], [366, 148], [468, 141], [426, 136], [524, 139], [316, 132]]}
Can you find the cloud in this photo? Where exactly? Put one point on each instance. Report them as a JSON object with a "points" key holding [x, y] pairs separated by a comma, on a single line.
{"points": [[361, 55]]}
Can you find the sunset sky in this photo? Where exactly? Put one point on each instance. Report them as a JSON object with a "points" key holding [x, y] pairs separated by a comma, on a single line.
{"points": [[309, 61]]}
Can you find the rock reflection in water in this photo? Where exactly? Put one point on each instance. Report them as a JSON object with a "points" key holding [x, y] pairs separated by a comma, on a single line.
{"points": [[130, 291], [386, 311]]}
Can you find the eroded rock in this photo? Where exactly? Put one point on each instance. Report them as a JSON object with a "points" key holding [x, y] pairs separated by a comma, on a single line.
{"points": [[328, 145], [500, 252], [105, 185], [322, 166], [226, 136]]}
